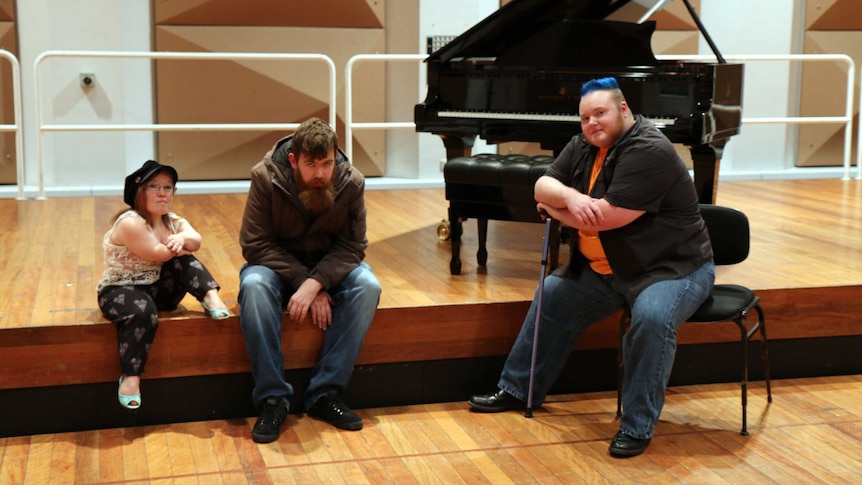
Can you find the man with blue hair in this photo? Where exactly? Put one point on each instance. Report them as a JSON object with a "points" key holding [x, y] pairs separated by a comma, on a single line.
{"points": [[640, 243]]}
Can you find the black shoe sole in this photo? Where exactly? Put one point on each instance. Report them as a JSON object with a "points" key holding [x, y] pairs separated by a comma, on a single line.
{"points": [[488, 409], [258, 438], [626, 453], [350, 426], [482, 408]]}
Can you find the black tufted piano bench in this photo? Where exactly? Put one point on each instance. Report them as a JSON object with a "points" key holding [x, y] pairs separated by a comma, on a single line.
{"points": [[498, 187]]}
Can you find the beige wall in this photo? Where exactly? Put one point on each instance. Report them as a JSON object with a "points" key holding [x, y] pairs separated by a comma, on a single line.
{"points": [[262, 91], [831, 26]]}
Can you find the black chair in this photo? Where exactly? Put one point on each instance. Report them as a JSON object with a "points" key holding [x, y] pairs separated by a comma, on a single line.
{"points": [[730, 236]]}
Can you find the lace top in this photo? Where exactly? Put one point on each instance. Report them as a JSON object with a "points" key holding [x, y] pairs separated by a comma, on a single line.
{"points": [[122, 267]]}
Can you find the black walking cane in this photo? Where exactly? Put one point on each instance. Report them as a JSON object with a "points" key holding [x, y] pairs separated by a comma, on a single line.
{"points": [[548, 220]]}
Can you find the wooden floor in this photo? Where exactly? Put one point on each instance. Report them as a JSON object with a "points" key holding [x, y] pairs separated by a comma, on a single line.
{"points": [[805, 233], [811, 433], [805, 264]]}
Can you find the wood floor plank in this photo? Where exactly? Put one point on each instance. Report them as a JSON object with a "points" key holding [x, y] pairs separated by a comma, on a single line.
{"points": [[460, 465], [371, 442], [424, 423], [523, 463], [201, 448], [110, 447], [458, 446], [180, 451], [85, 450], [717, 458], [14, 453], [333, 439], [37, 467], [311, 441], [432, 469], [62, 464], [796, 458], [545, 464], [839, 457], [493, 471], [498, 435], [609, 468], [226, 452], [396, 437], [459, 438], [575, 467], [398, 471], [151, 452]]}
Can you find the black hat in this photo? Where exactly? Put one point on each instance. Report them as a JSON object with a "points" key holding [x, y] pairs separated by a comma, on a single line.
{"points": [[140, 177]]}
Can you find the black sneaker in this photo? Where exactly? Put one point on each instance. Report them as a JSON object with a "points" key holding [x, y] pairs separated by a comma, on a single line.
{"points": [[331, 408], [268, 425]]}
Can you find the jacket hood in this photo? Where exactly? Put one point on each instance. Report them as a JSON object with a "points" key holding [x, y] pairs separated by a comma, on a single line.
{"points": [[284, 146]]}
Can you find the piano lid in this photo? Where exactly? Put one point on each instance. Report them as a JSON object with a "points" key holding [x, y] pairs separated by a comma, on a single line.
{"points": [[530, 22]]}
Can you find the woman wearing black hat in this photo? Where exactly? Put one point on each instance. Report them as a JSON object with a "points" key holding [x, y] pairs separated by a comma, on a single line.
{"points": [[150, 268]]}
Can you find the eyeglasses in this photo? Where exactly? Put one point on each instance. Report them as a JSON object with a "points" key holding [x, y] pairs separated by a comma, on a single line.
{"points": [[156, 188]]}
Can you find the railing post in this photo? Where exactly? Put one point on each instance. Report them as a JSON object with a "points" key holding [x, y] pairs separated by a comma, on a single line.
{"points": [[16, 126], [348, 97]]}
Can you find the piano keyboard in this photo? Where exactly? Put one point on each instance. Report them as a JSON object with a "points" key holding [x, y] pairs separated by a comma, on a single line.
{"points": [[658, 122]]}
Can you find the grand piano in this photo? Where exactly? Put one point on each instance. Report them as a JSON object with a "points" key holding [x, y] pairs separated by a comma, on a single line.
{"points": [[516, 76]]}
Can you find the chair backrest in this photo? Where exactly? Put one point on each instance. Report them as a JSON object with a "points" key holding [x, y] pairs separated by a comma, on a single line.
{"points": [[728, 231]]}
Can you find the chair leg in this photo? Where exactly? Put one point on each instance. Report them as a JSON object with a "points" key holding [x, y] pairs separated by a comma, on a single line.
{"points": [[744, 331], [620, 366], [764, 352], [554, 252]]}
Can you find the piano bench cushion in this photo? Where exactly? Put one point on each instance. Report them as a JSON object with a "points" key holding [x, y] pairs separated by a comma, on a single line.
{"points": [[492, 179]]}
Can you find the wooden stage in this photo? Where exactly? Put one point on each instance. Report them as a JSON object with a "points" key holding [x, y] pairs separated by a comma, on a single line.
{"points": [[805, 264]]}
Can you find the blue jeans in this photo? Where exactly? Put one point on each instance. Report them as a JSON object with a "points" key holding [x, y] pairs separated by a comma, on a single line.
{"points": [[575, 300], [262, 299]]}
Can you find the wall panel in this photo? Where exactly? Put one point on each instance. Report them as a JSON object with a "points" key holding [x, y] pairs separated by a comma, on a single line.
{"points": [[831, 27], [261, 91]]}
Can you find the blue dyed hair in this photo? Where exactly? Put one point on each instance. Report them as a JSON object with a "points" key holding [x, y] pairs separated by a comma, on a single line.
{"points": [[599, 85]]}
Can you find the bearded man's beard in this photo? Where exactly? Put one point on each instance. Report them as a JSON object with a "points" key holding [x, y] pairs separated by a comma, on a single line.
{"points": [[316, 195]]}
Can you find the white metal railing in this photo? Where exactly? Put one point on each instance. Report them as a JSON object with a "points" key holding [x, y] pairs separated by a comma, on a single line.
{"points": [[16, 126], [847, 119], [349, 125], [170, 127], [859, 138]]}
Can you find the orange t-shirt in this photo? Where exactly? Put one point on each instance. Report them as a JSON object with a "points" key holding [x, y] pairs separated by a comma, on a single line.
{"points": [[589, 243]]}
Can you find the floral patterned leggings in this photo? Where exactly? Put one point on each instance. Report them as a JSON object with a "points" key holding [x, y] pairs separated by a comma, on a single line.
{"points": [[134, 309]]}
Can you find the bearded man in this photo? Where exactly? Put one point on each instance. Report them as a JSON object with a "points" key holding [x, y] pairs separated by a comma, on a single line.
{"points": [[303, 239]]}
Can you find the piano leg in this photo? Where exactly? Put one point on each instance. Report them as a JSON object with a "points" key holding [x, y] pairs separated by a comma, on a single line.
{"points": [[456, 230], [705, 160], [458, 146]]}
